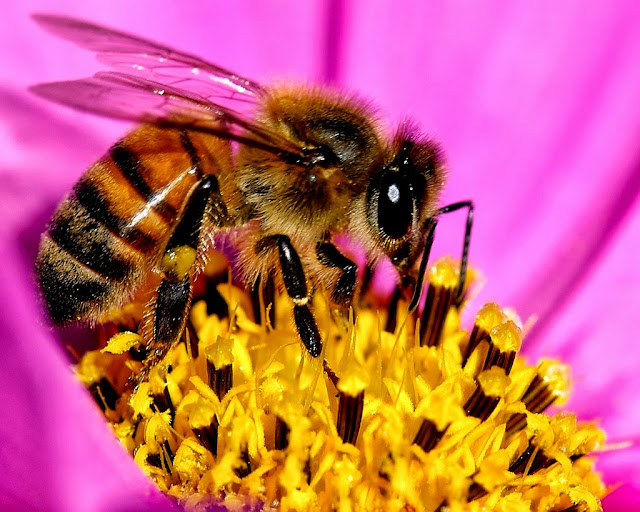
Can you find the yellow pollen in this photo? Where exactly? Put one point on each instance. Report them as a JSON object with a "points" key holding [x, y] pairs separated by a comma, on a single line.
{"points": [[179, 261], [490, 316], [443, 273], [239, 414], [507, 337]]}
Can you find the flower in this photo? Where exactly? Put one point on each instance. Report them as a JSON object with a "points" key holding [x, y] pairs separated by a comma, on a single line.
{"points": [[402, 411], [536, 107]]}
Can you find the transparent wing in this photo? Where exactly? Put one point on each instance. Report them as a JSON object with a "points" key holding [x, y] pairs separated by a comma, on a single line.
{"points": [[153, 61], [161, 85], [122, 96]]}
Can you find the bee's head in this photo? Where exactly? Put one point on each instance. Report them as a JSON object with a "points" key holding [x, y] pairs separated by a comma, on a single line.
{"points": [[402, 197]]}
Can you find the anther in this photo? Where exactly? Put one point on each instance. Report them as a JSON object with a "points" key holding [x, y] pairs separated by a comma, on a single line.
{"points": [[208, 436], [488, 317], [428, 435], [104, 394], [505, 341], [443, 279], [480, 405], [503, 360], [350, 403], [491, 387], [475, 491], [392, 310], [281, 434], [439, 300], [220, 379], [531, 460], [244, 469], [578, 507], [168, 452], [349, 416], [163, 401], [545, 388], [330, 373], [220, 367], [191, 337]]}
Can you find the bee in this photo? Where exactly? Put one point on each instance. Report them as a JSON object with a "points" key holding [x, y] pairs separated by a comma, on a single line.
{"points": [[285, 168]]}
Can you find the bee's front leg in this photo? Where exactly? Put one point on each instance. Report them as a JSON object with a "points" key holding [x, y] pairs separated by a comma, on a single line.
{"points": [[329, 255], [429, 231], [296, 285], [182, 259]]}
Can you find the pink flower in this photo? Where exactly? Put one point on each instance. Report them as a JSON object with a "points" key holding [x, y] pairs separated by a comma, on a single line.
{"points": [[538, 110]]}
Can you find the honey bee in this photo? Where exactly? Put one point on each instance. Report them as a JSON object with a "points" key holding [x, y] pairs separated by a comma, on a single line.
{"points": [[287, 167]]}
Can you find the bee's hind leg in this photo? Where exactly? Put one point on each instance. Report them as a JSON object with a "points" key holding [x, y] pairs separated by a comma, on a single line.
{"points": [[181, 260], [296, 285]]}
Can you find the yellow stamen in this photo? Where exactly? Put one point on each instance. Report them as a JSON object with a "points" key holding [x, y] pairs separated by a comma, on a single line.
{"points": [[239, 413]]}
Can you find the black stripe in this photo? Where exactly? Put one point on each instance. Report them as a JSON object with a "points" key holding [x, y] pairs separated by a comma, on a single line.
{"points": [[66, 301], [131, 168], [89, 242], [90, 198], [134, 171], [188, 146], [69, 297]]}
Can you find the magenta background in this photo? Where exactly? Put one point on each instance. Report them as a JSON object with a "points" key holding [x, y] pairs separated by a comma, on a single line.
{"points": [[536, 105]]}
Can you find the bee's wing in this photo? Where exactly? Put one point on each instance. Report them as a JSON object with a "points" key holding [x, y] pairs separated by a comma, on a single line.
{"points": [[156, 84], [153, 61], [123, 96]]}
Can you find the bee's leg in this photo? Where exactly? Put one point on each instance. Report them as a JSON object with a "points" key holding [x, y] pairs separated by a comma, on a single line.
{"points": [[329, 255], [467, 239], [296, 285], [180, 261], [430, 230]]}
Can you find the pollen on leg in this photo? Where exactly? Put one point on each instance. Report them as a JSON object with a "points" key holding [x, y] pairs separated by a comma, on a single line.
{"points": [[179, 260], [431, 416]]}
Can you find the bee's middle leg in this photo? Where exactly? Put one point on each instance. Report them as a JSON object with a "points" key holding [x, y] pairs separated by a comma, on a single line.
{"points": [[295, 283]]}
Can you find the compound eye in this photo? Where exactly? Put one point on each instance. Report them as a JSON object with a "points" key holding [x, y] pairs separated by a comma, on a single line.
{"points": [[395, 204]]}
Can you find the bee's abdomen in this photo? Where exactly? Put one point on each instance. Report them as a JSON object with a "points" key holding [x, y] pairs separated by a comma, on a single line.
{"points": [[89, 259], [108, 235], [72, 291], [101, 241]]}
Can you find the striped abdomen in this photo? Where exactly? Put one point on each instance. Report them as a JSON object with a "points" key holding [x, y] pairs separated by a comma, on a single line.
{"points": [[111, 230]]}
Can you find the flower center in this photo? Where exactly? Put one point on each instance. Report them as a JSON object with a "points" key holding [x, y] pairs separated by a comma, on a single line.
{"points": [[401, 411]]}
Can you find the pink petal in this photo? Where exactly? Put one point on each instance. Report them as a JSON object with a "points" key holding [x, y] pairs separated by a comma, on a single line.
{"points": [[537, 107], [57, 451], [594, 330], [623, 465], [535, 104]]}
